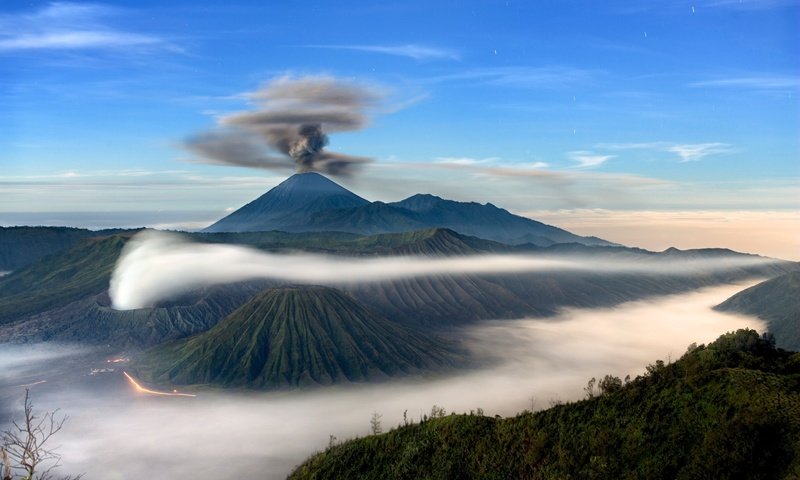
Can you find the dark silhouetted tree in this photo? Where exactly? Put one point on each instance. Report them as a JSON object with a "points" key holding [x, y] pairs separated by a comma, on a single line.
{"points": [[375, 423], [589, 388], [438, 412], [609, 384]]}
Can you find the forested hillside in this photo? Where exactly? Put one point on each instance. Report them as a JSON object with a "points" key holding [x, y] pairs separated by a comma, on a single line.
{"points": [[729, 410]]}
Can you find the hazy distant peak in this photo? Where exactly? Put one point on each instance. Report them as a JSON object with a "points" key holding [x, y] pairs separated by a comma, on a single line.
{"points": [[302, 193], [311, 183], [308, 178], [423, 201], [308, 202], [420, 201]]}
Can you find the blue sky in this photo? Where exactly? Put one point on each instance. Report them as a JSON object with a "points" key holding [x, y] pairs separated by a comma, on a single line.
{"points": [[537, 106]]}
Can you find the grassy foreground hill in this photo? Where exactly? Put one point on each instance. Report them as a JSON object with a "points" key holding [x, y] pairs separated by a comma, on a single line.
{"points": [[729, 410]]}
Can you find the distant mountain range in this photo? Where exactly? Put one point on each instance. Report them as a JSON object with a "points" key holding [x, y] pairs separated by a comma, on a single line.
{"points": [[309, 202], [777, 301]]}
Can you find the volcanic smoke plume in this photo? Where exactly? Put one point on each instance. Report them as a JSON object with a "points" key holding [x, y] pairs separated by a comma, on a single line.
{"points": [[289, 127], [311, 142]]}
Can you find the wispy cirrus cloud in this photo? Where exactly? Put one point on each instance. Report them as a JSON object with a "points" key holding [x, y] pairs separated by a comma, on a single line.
{"points": [[537, 165], [526, 77], [752, 82], [129, 178], [633, 146], [698, 151], [75, 40], [682, 6], [71, 26], [465, 160], [751, 4], [487, 162], [517, 170], [415, 51], [587, 159], [688, 152]]}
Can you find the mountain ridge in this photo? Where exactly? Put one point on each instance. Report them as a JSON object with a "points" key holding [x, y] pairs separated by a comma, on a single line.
{"points": [[309, 202], [488, 221], [777, 301]]}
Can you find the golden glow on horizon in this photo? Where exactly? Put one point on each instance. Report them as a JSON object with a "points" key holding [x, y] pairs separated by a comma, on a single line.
{"points": [[770, 233], [142, 389]]}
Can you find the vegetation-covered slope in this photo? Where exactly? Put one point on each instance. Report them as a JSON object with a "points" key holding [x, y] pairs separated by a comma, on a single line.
{"points": [[730, 410], [445, 300], [91, 320], [295, 336], [370, 219], [64, 297], [60, 278], [778, 302], [433, 241], [20, 246]]}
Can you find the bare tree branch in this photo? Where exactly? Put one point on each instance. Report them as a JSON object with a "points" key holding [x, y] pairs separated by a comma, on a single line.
{"points": [[25, 448]]}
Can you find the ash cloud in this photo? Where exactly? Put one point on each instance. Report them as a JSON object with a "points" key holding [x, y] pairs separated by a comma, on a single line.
{"points": [[289, 127]]}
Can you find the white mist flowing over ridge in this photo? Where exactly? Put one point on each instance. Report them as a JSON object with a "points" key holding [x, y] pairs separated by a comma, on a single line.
{"points": [[156, 265]]}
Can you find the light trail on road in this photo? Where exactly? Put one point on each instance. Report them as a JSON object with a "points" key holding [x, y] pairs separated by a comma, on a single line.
{"points": [[31, 384], [142, 389]]}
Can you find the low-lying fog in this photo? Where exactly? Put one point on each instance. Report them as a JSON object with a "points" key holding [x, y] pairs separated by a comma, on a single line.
{"points": [[114, 433], [158, 265]]}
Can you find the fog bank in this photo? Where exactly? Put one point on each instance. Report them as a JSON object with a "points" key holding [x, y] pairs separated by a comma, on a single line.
{"points": [[16, 361], [156, 266], [114, 433]]}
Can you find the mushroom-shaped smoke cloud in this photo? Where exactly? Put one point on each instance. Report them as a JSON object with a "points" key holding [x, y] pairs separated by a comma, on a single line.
{"points": [[289, 128]]}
